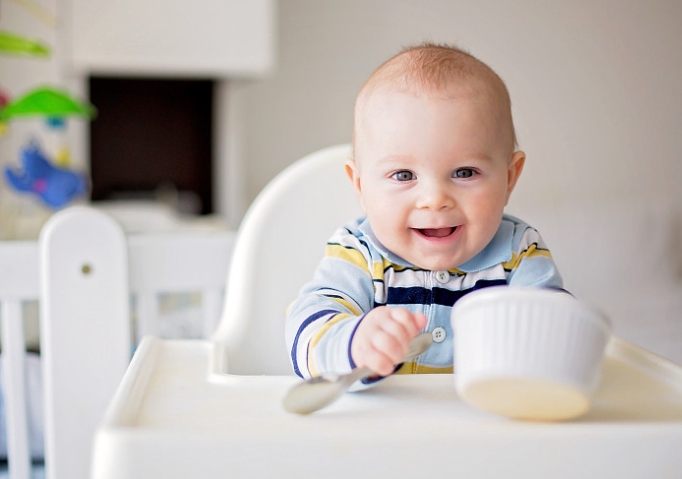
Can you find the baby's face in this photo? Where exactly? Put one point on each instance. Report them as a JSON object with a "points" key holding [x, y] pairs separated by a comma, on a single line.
{"points": [[433, 174]]}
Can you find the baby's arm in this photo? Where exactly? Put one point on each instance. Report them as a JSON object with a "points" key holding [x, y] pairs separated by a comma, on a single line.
{"points": [[323, 319], [383, 338]]}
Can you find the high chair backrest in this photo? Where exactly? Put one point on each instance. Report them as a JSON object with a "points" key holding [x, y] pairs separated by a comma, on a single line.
{"points": [[85, 332], [279, 243], [89, 271]]}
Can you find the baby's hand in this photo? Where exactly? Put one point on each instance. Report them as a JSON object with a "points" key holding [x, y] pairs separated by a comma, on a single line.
{"points": [[383, 338]]}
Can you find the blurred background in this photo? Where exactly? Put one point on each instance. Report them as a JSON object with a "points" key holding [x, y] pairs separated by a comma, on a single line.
{"points": [[594, 85], [175, 114], [254, 85]]}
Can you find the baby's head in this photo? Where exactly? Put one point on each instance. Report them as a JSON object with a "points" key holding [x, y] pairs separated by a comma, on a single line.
{"points": [[434, 155]]}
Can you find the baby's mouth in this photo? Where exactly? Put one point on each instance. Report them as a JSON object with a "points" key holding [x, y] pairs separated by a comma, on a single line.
{"points": [[437, 232]]}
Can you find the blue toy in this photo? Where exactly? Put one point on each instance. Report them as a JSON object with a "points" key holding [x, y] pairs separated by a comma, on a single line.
{"points": [[56, 187]]}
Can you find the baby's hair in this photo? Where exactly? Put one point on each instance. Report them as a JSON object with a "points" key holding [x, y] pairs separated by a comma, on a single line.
{"points": [[432, 67], [427, 66]]}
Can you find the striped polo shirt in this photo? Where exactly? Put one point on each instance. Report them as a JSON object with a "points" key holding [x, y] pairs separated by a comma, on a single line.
{"points": [[357, 273]]}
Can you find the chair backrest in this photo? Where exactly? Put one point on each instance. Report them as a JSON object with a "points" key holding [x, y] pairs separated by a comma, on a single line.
{"points": [[178, 262], [279, 243], [89, 270], [85, 332]]}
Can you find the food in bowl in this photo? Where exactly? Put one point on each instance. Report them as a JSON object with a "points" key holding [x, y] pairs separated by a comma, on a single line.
{"points": [[528, 353]]}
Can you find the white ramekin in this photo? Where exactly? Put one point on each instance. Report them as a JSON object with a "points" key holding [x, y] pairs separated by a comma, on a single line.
{"points": [[528, 353]]}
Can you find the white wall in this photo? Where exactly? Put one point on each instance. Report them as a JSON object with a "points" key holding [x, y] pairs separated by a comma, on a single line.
{"points": [[595, 86]]}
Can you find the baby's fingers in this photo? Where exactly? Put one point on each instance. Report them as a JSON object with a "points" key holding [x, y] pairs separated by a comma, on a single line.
{"points": [[420, 320], [380, 363], [406, 319], [389, 346]]}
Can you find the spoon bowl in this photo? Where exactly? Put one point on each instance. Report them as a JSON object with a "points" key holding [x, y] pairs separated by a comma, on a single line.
{"points": [[315, 393]]}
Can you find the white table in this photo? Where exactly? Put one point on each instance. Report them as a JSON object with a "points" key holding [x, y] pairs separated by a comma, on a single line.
{"points": [[173, 417]]}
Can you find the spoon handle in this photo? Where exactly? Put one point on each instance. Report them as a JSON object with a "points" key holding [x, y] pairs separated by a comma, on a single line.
{"points": [[356, 374]]}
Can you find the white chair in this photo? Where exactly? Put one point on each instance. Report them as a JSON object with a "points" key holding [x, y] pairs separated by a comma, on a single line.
{"points": [[84, 266], [91, 279], [19, 282], [279, 244], [214, 408], [79, 265]]}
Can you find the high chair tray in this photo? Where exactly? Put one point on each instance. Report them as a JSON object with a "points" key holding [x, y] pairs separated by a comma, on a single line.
{"points": [[172, 417]]}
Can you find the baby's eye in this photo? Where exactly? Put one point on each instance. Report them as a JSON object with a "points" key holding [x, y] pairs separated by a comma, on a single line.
{"points": [[464, 173], [403, 175]]}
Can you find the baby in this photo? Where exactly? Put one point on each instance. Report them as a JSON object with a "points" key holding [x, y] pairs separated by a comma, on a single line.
{"points": [[435, 162]]}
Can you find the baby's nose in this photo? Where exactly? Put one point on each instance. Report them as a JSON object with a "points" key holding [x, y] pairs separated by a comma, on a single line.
{"points": [[435, 197]]}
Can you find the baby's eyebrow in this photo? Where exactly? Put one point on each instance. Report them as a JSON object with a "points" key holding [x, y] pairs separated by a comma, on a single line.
{"points": [[482, 157], [404, 161], [395, 160]]}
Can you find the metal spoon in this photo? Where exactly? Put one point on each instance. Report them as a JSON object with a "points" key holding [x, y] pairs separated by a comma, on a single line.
{"points": [[320, 391]]}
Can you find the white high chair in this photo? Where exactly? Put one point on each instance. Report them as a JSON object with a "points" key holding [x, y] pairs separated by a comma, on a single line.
{"points": [[279, 244], [84, 265], [213, 408], [84, 271]]}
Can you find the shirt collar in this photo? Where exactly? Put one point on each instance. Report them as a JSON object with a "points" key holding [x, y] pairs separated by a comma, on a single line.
{"points": [[366, 229], [499, 250]]}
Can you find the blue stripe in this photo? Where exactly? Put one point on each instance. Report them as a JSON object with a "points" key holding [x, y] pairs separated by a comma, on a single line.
{"points": [[352, 363], [350, 342], [440, 296], [305, 323], [413, 295]]}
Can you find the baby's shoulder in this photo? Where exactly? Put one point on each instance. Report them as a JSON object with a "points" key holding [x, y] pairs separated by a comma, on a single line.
{"points": [[351, 244], [351, 235], [523, 234]]}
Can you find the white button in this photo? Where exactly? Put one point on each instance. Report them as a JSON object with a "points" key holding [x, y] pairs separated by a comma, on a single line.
{"points": [[442, 276], [438, 335]]}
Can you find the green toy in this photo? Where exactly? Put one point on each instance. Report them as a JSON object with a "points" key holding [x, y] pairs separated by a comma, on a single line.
{"points": [[17, 45], [47, 102]]}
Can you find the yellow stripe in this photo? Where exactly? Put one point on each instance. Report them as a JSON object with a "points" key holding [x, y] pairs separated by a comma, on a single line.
{"points": [[414, 368], [378, 270], [346, 304], [531, 252], [398, 268], [353, 256], [347, 254], [317, 337]]}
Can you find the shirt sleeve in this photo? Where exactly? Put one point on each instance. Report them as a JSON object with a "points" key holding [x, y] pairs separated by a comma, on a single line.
{"points": [[532, 263], [321, 322]]}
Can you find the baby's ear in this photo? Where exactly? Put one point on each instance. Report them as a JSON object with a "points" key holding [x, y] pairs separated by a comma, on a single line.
{"points": [[514, 171], [353, 174]]}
